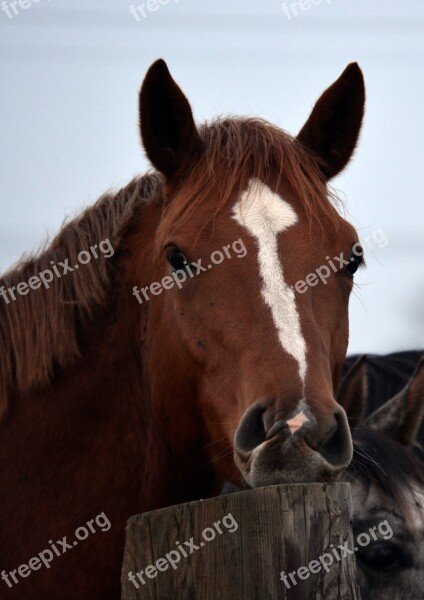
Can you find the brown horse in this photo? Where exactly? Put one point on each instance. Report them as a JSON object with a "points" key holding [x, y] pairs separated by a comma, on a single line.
{"points": [[125, 388]]}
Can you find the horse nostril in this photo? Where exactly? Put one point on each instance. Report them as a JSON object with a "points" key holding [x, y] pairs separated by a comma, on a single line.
{"points": [[251, 430], [337, 447], [276, 428]]}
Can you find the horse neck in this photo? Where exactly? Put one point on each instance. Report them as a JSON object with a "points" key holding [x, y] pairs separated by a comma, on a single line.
{"points": [[96, 390]]}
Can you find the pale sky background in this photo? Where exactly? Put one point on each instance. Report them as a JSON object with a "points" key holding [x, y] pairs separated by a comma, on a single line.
{"points": [[70, 73]]}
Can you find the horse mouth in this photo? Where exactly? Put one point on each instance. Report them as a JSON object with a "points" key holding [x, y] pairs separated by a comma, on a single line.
{"points": [[273, 463]]}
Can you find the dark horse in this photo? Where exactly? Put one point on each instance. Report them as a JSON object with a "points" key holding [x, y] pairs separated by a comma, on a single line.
{"points": [[125, 389], [384, 399]]}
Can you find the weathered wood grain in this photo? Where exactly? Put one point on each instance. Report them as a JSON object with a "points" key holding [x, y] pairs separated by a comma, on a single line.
{"points": [[280, 528]]}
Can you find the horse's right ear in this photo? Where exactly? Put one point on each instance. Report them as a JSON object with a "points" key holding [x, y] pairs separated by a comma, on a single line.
{"points": [[168, 131], [401, 416], [352, 392]]}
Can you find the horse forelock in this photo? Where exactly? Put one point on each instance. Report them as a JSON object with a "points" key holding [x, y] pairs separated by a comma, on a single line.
{"points": [[236, 150], [395, 472], [40, 330]]}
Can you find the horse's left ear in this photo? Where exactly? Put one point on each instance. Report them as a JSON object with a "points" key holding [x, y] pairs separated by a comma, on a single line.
{"points": [[332, 130], [352, 392], [401, 416], [168, 131]]}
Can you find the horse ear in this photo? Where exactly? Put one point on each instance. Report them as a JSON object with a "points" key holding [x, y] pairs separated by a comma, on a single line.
{"points": [[401, 416], [353, 391], [168, 131], [332, 130]]}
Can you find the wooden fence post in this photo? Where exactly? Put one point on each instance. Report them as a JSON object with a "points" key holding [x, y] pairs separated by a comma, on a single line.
{"points": [[235, 547]]}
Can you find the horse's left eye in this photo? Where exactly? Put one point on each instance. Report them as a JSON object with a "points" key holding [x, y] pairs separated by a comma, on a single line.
{"points": [[384, 556], [176, 259], [353, 266], [356, 260]]}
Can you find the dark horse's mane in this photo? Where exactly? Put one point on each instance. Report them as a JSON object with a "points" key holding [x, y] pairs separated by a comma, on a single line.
{"points": [[39, 331], [394, 468], [386, 376]]}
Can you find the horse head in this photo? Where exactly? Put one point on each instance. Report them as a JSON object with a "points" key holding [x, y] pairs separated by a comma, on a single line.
{"points": [[245, 348]]}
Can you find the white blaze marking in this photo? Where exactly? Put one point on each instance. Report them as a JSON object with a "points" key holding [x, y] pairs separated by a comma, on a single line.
{"points": [[265, 214]]}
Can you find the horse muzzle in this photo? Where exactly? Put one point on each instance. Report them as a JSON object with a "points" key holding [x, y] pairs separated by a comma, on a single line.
{"points": [[270, 449]]}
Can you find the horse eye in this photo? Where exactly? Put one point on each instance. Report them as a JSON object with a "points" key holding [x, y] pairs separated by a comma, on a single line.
{"points": [[176, 259], [383, 556], [353, 266]]}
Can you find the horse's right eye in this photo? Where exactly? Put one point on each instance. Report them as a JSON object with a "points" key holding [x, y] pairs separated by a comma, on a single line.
{"points": [[176, 259]]}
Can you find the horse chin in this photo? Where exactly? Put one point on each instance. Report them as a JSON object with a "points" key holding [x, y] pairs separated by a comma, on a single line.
{"points": [[267, 465]]}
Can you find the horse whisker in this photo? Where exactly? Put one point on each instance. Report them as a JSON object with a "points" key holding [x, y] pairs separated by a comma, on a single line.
{"points": [[215, 442]]}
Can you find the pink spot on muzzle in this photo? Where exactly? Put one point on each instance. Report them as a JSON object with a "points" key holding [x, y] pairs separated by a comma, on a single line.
{"points": [[297, 422]]}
